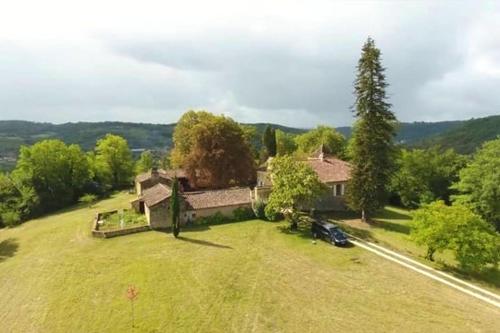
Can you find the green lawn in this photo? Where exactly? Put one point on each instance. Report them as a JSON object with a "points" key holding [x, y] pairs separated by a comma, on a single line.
{"points": [[391, 228], [243, 277]]}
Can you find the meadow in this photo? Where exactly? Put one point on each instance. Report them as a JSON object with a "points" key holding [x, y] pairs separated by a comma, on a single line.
{"points": [[251, 276]]}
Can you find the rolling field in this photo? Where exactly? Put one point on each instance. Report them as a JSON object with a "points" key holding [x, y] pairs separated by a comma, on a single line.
{"points": [[243, 277]]}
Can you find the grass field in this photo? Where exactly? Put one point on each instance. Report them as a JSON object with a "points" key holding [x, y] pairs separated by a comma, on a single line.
{"points": [[243, 277], [391, 227]]}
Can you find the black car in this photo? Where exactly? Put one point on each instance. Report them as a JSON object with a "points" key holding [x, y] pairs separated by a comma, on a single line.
{"points": [[328, 232]]}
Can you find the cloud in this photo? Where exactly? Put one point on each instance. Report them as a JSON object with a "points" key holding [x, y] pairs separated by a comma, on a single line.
{"points": [[283, 62]]}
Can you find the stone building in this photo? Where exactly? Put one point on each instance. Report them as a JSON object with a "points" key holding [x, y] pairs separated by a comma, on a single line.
{"points": [[154, 202], [333, 172]]}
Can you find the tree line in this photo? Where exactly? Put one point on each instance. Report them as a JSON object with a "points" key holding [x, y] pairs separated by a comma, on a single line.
{"points": [[50, 175]]}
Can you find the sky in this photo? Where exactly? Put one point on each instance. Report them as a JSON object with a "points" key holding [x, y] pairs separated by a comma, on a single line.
{"points": [[287, 62]]}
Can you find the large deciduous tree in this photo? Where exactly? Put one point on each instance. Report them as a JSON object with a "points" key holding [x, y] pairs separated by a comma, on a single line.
{"points": [[145, 162], [183, 136], [333, 142], [285, 143], [372, 143], [426, 175], [458, 229], [56, 172], [269, 140], [220, 156], [479, 183], [114, 163], [295, 186]]}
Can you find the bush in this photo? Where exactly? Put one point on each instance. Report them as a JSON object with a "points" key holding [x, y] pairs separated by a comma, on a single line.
{"points": [[11, 218], [216, 218], [259, 209], [243, 214], [88, 199]]}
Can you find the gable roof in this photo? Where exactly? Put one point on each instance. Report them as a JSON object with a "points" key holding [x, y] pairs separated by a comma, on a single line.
{"points": [[330, 169], [217, 198], [166, 174], [156, 194]]}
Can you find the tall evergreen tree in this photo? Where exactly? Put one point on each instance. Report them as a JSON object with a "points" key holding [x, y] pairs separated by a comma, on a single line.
{"points": [[269, 140], [175, 208], [372, 144]]}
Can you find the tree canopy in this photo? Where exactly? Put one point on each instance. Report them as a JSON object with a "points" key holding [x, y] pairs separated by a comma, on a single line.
{"points": [[333, 142], [457, 228], [145, 162], [113, 159], [479, 183], [269, 140], [56, 172], [426, 175], [220, 156], [371, 150], [295, 185], [285, 143], [183, 137]]}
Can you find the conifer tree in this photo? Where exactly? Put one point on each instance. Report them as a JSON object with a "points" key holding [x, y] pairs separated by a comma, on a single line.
{"points": [[269, 140], [175, 208], [372, 143]]}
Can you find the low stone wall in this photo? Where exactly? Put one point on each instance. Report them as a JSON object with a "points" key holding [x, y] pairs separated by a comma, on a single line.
{"points": [[113, 233], [119, 232]]}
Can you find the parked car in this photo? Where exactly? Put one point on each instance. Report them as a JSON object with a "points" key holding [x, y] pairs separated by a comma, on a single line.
{"points": [[328, 232]]}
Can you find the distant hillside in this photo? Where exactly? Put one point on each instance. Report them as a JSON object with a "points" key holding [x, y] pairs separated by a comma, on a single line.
{"points": [[463, 135], [410, 133], [468, 136]]}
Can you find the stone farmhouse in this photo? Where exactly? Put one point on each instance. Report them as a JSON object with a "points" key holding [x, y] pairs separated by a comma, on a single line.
{"points": [[333, 172], [154, 191]]}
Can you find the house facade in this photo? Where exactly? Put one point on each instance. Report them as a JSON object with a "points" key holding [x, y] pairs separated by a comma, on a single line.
{"points": [[154, 201], [154, 192], [333, 172]]}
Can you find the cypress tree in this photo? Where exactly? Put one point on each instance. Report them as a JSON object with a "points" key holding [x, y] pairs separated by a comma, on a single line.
{"points": [[269, 140], [372, 142], [175, 208]]}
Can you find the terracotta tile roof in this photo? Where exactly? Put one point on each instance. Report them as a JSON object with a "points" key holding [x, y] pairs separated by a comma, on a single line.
{"points": [[217, 198], [167, 174], [156, 194], [330, 169]]}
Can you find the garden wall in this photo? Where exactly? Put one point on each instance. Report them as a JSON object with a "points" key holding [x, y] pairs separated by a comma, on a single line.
{"points": [[113, 233]]}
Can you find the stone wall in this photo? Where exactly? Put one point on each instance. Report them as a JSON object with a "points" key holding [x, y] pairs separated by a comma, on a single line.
{"points": [[113, 233], [158, 216], [224, 210]]}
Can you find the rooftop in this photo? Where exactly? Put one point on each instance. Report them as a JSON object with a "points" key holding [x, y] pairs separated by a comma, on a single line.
{"points": [[217, 198], [156, 194], [330, 169], [167, 174]]}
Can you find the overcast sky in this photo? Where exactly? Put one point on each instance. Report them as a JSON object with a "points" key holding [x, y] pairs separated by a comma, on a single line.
{"points": [[288, 62]]}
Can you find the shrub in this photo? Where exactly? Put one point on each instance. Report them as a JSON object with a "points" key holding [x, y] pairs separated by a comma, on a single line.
{"points": [[259, 209], [216, 218], [11, 218], [88, 199], [243, 214]]}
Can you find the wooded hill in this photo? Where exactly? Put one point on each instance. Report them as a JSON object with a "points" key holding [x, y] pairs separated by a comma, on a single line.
{"points": [[464, 136], [468, 136]]}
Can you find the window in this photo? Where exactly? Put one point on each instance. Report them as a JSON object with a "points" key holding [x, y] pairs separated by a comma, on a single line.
{"points": [[338, 190]]}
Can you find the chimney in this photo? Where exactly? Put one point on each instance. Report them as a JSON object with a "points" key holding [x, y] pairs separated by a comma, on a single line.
{"points": [[154, 174]]}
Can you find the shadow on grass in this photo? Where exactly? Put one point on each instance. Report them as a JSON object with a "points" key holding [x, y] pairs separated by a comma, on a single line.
{"points": [[8, 248], [203, 242], [396, 227], [360, 233], [490, 276], [390, 214]]}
